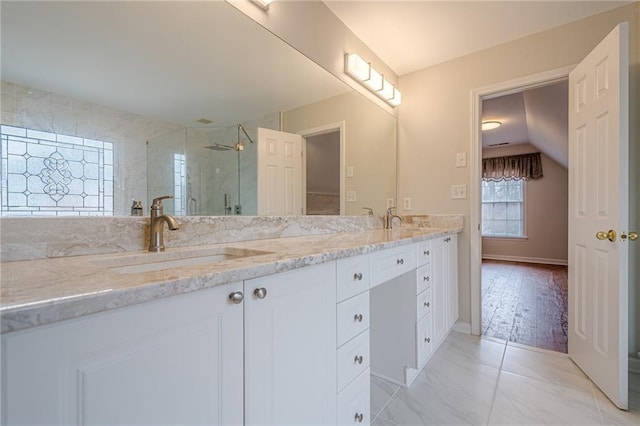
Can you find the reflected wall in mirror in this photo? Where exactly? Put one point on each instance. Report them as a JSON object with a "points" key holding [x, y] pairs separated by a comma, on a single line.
{"points": [[139, 75]]}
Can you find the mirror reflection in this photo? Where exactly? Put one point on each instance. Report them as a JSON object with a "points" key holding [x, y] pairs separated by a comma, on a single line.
{"points": [[165, 86]]}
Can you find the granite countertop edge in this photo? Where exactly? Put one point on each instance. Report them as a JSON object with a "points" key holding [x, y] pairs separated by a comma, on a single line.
{"points": [[72, 295]]}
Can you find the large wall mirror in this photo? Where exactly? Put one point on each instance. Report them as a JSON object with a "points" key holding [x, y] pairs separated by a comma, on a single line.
{"points": [[107, 102]]}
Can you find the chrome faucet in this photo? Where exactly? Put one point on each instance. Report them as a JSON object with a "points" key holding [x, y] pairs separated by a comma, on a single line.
{"points": [[388, 218], [156, 224]]}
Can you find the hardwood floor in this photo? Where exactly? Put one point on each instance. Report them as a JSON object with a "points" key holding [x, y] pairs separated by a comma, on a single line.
{"points": [[525, 303]]}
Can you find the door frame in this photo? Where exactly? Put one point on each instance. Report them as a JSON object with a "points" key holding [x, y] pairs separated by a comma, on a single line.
{"points": [[338, 126], [477, 95]]}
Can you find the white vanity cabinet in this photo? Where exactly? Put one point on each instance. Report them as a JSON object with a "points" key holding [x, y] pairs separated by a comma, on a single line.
{"points": [[444, 271], [178, 360], [290, 347]]}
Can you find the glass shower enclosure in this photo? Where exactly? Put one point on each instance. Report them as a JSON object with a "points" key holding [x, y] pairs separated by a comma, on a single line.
{"points": [[209, 171]]}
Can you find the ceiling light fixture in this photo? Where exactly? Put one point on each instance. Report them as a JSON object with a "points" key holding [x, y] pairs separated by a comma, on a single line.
{"points": [[262, 4], [365, 74], [490, 125]]}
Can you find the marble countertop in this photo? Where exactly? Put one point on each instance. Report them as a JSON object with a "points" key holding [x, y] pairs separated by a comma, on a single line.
{"points": [[38, 292]]}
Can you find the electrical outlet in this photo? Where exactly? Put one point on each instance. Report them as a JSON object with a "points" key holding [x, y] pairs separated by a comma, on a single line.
{"points": [[389, 202], [349, 171], [407, 203], [458, 192], [461, 159], [351, 196]]}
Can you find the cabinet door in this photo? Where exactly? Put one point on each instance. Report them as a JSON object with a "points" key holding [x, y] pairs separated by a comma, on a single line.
{"points": [[290, 347], [439, 289], [172, 361], [451, 272]]}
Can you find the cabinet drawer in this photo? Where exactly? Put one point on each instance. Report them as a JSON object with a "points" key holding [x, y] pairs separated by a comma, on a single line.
{"points": [[391, 263], [423, 341], [423, 278], [353, 359], [424, 252], [423, 306], [353, 317], [353, 276], [354, 402]]}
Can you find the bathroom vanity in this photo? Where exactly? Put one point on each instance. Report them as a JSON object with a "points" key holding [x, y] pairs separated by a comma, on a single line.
{"points": [[279, 331]]}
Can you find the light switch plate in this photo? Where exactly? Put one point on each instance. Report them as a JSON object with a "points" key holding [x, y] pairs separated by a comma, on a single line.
{"points": [[349, 171], [461, 159], [389, 202], [458, 192], [407, 203], [351, 196]]}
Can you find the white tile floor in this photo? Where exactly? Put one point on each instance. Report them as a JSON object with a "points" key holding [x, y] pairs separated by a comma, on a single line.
{"points": [[484, 381]]}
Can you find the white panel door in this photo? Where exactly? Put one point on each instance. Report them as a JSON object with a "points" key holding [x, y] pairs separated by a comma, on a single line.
{"points": [[169, 362], [598, 201], [279, 173], [290, 347]]}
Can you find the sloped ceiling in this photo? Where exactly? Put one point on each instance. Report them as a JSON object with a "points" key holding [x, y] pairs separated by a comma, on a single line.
{"points": [[536, 116]]}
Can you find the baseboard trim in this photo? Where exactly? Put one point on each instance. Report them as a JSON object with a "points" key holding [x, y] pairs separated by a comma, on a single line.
{"points": [[462, 327], [634, 364], [525, 259]]}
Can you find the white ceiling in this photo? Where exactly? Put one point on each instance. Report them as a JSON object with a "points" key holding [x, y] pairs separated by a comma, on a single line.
{"points": [[411, 35], [537, 116]]}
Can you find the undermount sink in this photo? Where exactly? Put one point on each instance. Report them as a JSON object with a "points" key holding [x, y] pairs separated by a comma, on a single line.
{"points": [[177, 258]]}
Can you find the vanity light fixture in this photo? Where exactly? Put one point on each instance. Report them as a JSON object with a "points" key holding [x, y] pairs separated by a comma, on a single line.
{"points": [[365, 74], [262, 4], [490, 125]]}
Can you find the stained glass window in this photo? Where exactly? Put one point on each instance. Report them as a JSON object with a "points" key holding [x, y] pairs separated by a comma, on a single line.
{"points": [[51, 174]]}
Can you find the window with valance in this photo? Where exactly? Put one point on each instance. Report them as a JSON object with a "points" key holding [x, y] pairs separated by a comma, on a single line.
{"points": [[503, 193]]}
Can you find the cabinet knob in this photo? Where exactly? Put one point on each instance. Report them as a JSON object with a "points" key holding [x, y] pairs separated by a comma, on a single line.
{"points": [[400, 261], [359, 417], [357, 276], [427, 339], [236, 297], [425, 278], [427, 304], [426, 252], [358, 359], [358, 317], [260, 293]]}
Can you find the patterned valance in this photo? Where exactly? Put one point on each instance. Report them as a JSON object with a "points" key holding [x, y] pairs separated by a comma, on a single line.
{"points": [[525, 167]]}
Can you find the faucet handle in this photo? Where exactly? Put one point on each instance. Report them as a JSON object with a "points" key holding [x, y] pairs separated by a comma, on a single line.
{"points": [[157, 202], [369, 210]]}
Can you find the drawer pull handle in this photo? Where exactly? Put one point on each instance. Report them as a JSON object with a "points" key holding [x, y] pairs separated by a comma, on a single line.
{"points": [[359, 417], [427, 304], [425, 278], [357, 276], [236, 297], [427, 339], [358, 317], [400, 261], [260, 293], [426, 252], [358, 359]]}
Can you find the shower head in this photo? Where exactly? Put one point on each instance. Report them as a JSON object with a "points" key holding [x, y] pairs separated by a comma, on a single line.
{"points": [[220, 147]]}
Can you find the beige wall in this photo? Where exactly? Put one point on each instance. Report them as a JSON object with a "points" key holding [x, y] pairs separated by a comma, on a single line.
{"points": [[435, 117], [370, 140], [546, 206]]}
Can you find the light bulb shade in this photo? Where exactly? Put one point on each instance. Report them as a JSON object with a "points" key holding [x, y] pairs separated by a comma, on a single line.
{"points": [[490, 125], [356, 67], [387, 90], [365, 74], [397, 98]]}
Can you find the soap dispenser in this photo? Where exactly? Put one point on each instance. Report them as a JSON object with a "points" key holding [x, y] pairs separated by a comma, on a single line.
{"points": [[136, 208]]}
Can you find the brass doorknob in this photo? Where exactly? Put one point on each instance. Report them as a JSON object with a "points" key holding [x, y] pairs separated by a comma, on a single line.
{"points": [[611, 235]]}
